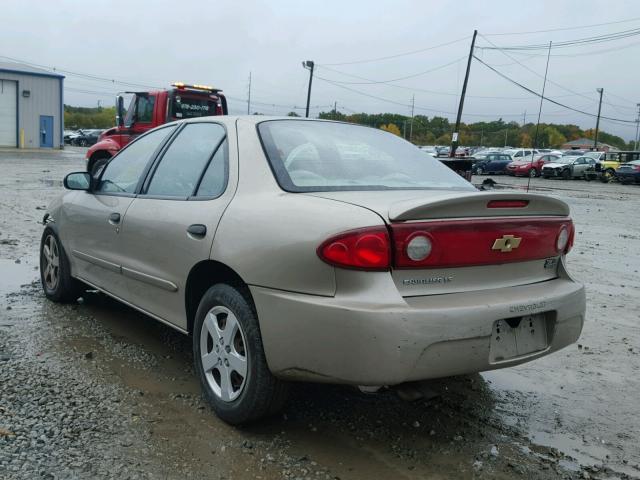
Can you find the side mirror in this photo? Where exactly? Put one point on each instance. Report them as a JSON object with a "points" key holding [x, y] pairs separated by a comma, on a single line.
{"points": [[77, 181], [119, 111]]}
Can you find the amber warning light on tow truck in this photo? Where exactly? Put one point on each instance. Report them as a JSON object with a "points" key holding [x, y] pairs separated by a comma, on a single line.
{"points": [[183, 86]]}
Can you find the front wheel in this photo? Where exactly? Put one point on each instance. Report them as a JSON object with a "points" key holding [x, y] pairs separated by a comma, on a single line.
{"points": [[566, 175], [229, 358], [479, 171], [55, 272], [98, 165], [533, 173]]}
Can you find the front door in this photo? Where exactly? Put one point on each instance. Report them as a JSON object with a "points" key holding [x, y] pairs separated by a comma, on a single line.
{"points": [[170, 226], [96, 219], [46, 131]]}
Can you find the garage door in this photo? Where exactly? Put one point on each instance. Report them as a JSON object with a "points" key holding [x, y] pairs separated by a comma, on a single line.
{"points": [[8, 113]]}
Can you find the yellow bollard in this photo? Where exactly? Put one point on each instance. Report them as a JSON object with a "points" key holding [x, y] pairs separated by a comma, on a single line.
{"points": [[22, 138]]}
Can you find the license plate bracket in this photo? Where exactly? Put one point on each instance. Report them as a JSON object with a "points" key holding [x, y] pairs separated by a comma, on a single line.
{"points": [[517, 337]]}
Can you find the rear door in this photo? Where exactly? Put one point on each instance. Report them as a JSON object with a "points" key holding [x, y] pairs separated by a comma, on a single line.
{"points": [[94, 220], [170, 226]]}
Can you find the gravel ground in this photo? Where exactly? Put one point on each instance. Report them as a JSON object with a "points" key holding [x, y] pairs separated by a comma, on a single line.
{"points": [[96, 390]]}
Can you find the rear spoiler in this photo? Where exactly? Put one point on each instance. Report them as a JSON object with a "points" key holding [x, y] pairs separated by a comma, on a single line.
{"points": [[459, 205]]}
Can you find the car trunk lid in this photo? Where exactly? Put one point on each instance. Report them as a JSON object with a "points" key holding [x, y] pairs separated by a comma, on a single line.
{"points": [[480, 240]]}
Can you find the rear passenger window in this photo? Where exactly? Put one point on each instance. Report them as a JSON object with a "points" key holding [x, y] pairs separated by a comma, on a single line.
{"points": [[181, 166], [214, 180]]}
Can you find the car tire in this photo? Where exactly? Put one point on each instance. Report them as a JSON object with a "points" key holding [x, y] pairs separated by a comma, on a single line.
{"points": [[566, 175], [83, 143], [226, 313], [533, 173], [98, 165], [479, 171], [55, 271]]}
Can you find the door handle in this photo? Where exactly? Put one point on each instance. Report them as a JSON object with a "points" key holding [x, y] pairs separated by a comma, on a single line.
{"points": [[114, 217], [197, 230]]}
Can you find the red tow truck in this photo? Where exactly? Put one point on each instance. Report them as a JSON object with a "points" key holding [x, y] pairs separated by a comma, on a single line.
{"points": [[148, 110]]}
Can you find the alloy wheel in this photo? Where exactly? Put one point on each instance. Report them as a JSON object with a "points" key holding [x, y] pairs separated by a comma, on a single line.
{"points": [[223, 353], [51, 258]]}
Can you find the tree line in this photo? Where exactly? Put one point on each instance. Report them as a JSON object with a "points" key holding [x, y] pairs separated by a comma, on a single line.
{"points": [[425, 131], [498, 133]]}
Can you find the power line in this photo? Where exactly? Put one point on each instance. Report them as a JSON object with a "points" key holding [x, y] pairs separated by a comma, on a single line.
{"points": [[388, 57], [81, 75], [572, 55], [533, 92], [371, 82], [560, 29], [579, 41], [434, 92], [533, 71]]}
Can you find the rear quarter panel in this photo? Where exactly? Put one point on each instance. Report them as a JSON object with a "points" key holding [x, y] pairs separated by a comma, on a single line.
{"points": [[269, 236]]}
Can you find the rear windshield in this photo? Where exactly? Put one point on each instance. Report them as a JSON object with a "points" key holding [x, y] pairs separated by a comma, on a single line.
{"points": [[329, 156], [192, 106]]}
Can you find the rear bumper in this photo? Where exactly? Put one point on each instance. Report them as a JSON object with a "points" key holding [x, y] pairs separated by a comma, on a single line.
{"points": [[365, 341]]}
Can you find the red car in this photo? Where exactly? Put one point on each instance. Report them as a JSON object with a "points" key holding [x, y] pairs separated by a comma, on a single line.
{"points": [[526, 167]]}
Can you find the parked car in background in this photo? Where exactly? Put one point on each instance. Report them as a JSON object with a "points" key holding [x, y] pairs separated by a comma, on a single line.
{"points": [[608, 163], [430, 150], [443, 151], [491, 163], [629, 172], [390, 268], [86, 138], [518, 153], [69, 135], [530, 167], [574, 153], [567, 167]]}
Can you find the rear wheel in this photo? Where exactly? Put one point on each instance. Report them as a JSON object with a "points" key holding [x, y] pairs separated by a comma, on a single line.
{"points": [[230, 360], [533, 173], [82, 142], [55, 272]]}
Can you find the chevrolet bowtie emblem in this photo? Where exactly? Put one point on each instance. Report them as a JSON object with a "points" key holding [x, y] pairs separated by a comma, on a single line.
{"points": [[506, 243]]}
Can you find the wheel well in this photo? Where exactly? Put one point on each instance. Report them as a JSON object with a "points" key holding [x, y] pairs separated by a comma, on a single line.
{"points": [[204, 275], [100, 154]]}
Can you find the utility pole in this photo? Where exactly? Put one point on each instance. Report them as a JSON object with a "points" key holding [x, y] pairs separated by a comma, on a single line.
{"points": [[481, 137], [454, 137], [637, 125], [249, 97], [595, 140], [404, 129], [335, 110], [535, 139], [308, 64], [505, 136], [413, 106], [524, 118]]}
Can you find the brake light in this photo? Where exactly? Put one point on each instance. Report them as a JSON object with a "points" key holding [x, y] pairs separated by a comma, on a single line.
{"points": [[461, 243], [362, 249], [507, 203]]}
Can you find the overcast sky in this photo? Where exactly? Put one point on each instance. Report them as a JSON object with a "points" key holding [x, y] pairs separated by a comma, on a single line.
{"points": [[220, 42]]}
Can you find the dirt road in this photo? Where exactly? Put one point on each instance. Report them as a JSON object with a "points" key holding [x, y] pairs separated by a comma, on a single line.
{"points": [[96, 390]]}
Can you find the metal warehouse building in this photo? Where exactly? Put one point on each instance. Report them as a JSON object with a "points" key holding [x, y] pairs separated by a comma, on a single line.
{"points": [[31, 107]]}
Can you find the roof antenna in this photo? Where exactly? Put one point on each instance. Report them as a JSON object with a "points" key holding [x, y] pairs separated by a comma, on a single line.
{"points": [[535, 141]]}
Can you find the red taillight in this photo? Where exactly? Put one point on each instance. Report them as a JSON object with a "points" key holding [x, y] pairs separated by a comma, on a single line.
{"points": [[507, 203], [364, 249], [461, 243]]}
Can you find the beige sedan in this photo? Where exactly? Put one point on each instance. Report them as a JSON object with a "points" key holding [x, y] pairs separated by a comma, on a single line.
{"points": [[295, 249]]}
